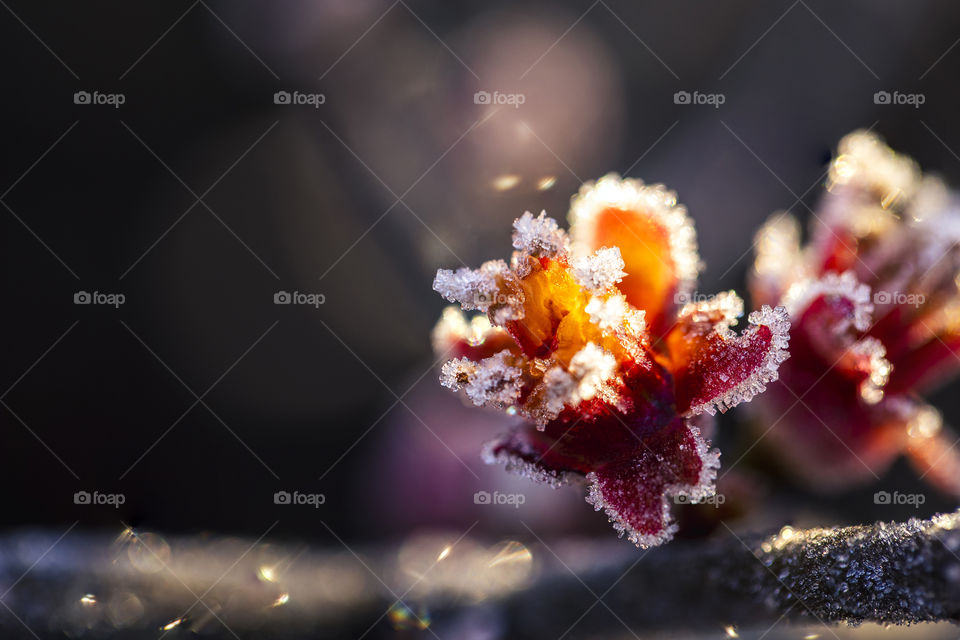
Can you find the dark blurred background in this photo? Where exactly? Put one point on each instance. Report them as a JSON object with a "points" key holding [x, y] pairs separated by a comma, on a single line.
{"points": [[200, 197]]}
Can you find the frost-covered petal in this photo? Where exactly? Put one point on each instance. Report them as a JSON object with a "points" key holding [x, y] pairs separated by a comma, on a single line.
{"points": [[540, 237], [844, 300], [867, 358], [593, 431], [532, 453], [656, 238], [600, 270], [829, 316], [611, 312], [636, 492], [494, 381], [833, 437], [591, 373], [780, 260], [492, 288], [554, 323], [868, 188], [714, 368]]}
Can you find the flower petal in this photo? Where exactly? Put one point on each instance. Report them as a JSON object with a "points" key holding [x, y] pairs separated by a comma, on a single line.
{"points": [[829, 315], [931, 449], [454, 337], [924, 347], [831, 439], [869, 186], [656, 238], [780, 260], [533, 454], [635, 492], [714, 368]]}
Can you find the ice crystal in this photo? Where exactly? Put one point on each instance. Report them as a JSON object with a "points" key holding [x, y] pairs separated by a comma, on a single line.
{"points": [[494, 381], [540, 237], [595, 354], [472, 288], [600, 270], [609, 313], [592, 367]]}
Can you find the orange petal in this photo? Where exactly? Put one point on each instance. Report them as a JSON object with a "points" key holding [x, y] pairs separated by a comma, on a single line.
{"points": [[656, 238]]}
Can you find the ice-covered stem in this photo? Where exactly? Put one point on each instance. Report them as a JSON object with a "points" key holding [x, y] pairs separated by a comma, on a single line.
{"points": [[896, 573], [884, 573]]}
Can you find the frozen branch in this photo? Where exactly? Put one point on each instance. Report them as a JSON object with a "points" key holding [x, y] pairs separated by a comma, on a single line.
{"points": [[884, 573]]}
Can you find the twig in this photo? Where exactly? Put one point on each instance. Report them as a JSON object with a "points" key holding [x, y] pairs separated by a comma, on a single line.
{"points": [[885, 573]]}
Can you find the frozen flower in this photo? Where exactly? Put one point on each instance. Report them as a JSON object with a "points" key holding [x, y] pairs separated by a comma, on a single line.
{"points": [[875, 310], [585, 338]]}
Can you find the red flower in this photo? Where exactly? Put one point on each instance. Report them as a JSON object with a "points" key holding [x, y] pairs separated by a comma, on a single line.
{"points": [[847, 403], [595, 352]]}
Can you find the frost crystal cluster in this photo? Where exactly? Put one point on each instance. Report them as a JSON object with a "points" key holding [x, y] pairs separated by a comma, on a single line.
{"points": [[584, 338]]}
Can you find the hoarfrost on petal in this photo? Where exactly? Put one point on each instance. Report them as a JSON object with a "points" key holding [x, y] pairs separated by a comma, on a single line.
{"points": [[845, 285], [719, 313], [531, 470], [596, 498], [865, 162], [559, 389], [656, 201], [473, 288], [591, 372], [541, 237], [778, 247], [494, 381], [705, 486], [636, 323], [610, 313], [456, 373], [636, 493], [592, 366], [777, 321], [599, 271], [869, 355]]}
